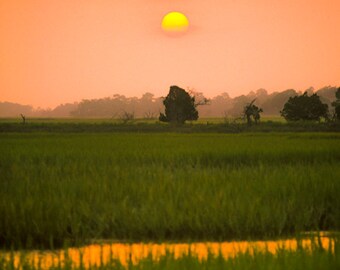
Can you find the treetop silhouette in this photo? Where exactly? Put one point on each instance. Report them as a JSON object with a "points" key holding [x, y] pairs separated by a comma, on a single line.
{"points": [[179, 106]]}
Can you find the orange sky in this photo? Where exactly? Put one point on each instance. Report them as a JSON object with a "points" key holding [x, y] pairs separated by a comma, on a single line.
{"points": [[57, 51]]}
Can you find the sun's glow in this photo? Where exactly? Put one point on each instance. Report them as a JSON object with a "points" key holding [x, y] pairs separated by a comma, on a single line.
{"points": [[175, 22]]}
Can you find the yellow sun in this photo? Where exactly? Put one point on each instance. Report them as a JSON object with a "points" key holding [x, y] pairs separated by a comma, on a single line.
{"points": [[175, 23]]}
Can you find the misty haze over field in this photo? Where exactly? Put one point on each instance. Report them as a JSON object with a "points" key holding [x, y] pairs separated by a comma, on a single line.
{"points": [[149, 106]]}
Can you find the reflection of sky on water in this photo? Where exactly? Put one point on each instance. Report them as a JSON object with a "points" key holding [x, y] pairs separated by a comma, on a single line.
{"points": [[97, 254]]}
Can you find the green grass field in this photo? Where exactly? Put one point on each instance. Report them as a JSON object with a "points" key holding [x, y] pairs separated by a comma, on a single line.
{"points": [[58, 187], [154, 126]]}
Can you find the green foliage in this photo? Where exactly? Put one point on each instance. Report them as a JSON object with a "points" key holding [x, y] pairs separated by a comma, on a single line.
{"points": [[179, 106], [133, 186], [304, 107]]}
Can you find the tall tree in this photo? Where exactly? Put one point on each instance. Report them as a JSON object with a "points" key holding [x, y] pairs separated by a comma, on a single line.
{"points": [[179, 106], [304, 107]]}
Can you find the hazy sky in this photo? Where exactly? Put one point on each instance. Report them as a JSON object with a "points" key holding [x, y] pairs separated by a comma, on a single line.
{"points": [[57, 51]]}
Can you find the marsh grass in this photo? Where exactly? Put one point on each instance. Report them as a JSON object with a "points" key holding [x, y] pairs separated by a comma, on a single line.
{"points": [[58, 187]]}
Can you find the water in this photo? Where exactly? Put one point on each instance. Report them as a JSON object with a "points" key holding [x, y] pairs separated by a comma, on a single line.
{"points": [[101, 254]]}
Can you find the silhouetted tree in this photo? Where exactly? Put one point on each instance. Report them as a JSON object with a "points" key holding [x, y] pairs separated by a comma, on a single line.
{"points": [[179, 106], [200, 99], [127, 117], [252, 112], [304, 107], [23, 118], [336, 105], [150, 115]]}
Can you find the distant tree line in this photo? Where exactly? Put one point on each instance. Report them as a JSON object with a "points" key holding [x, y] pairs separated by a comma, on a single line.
{"points": [[180, 106], [149, 106]]}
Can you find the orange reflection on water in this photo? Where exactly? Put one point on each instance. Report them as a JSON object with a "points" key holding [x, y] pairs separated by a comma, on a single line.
{"points": [[102, 254]]}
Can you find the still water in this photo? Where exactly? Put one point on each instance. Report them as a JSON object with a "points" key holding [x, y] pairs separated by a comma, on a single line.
{"points": [[101, 254]]}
